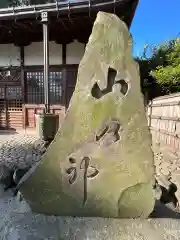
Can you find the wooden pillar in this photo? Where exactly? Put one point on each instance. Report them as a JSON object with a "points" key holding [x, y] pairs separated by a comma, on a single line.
{"points": [[64, 54], [23, 86], [64, 75], [6, 107]]}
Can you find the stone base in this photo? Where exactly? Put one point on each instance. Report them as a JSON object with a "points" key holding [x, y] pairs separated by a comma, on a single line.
{"points": [[47, 126]]}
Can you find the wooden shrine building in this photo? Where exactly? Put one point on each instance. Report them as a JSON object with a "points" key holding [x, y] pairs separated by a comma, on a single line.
{"points": [[40, 43]]}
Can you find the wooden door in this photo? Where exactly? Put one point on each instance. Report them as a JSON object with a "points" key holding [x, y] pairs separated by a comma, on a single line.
{"points": [[34, 94], [3, 124], [11, 107], [10, 99]]}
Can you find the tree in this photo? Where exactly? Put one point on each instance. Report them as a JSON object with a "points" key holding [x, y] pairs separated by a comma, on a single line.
{"points": [[167, 72], [160, 72]]}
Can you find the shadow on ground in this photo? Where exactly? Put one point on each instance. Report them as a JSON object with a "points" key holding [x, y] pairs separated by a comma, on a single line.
{"points": [[162, 211], [8, 132]]}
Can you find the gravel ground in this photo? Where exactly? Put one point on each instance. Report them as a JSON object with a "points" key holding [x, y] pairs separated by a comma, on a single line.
{"points": [[167, 168], [20, 224], [20, 150]]}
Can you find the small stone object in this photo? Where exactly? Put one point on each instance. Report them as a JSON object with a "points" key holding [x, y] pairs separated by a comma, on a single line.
{"points": [[19, 196], [100, 162], [6, 177], [40, 146], [19, 173], [158, 192], [167, 195], [2, 187]]}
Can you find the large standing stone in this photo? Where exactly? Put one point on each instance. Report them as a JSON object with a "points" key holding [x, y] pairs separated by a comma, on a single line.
{"points": [[101, 162]]}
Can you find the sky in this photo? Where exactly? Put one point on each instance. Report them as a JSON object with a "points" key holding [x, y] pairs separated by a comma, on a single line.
{"points": [[155, 22]]}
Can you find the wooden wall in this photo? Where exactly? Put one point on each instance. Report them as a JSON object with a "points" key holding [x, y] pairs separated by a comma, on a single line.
{"points": [[164, 120], [28, 61]]}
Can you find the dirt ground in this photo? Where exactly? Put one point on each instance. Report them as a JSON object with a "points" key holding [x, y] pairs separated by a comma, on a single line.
{"points": [[167, 165]]}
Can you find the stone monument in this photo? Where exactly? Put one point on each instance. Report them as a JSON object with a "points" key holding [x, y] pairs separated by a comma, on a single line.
{"points": [[100, 163]]}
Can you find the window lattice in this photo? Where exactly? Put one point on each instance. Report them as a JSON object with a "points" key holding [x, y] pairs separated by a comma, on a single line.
{"points": [[55, 87], [10, 76], [2, 101], [14, 98], [14, 92], [2, 93], [2, 106], [11, 98], [35, 91], [35, 87]]}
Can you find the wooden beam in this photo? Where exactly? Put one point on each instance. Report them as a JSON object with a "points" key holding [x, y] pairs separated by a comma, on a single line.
{"points": [[154, 104], [64, 77], [175, 135], [25, 26], [21, 38], [66, 36], [5, 27], [6, 107], [64, 74], [176, 119], [63, 24]]}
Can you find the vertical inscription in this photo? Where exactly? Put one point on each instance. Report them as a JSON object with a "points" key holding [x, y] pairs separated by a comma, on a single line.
{"points": [[89, 172], [109, 134]]}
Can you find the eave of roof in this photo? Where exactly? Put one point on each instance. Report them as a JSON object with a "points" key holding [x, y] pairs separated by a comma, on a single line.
{"points": [[67, 22], [78, 6]]}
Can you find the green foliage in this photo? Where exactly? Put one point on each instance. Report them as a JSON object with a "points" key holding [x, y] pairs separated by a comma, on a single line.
{"points": [[168, 70], [162, 67], [167, 75]]}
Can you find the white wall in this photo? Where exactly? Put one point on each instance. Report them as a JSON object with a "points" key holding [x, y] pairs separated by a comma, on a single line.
{"points": [[74, 52], [33, 54], [9, 55]]}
